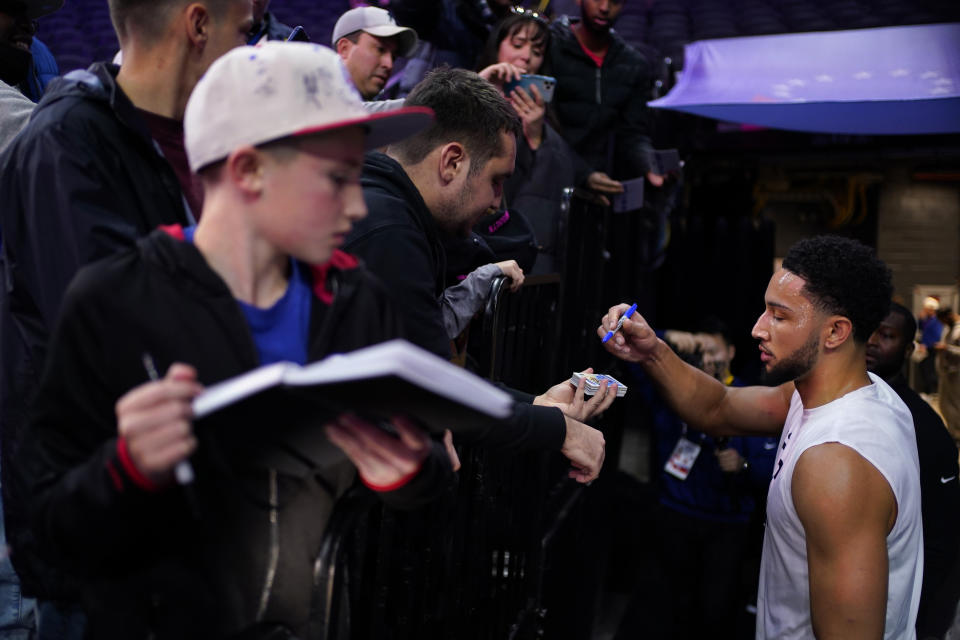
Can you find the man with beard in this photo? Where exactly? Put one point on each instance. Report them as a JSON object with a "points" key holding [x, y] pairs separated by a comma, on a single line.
{"points": [[603, 85], [18, 76], [442, 180], [708, 489], [890, 346], [842, 554]]}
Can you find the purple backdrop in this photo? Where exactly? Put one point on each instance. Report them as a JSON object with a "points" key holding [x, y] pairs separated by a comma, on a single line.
{"points": [[895, 80]]}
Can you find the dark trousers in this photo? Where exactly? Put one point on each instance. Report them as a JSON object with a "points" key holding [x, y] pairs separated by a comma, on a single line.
{"points": [[699, 594], [928, 374]]}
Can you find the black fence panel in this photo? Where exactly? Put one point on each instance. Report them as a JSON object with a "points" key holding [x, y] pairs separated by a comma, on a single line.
{"points": [[471, 566], [516, 549]]}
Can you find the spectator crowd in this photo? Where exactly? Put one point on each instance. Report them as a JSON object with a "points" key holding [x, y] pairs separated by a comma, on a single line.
{"points": [[228, 194]]}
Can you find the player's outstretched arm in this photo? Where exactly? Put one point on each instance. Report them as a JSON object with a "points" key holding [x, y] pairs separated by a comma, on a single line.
{"points": [[847, 509], [699, 399]]}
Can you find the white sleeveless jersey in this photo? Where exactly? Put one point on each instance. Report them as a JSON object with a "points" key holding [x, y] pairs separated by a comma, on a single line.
{"points": [[875, 423]]}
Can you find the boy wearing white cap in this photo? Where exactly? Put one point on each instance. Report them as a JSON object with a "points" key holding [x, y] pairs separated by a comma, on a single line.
{"points": [[368, 40], [277, 135]]}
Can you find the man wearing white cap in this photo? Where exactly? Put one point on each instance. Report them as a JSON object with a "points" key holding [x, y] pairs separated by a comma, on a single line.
{"points": [[369, 40], [277, 135]]}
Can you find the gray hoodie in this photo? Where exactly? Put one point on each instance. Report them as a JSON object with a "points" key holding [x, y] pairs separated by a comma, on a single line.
{"points": [[15, 110]]}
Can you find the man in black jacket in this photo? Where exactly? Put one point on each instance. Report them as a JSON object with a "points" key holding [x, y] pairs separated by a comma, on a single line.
{"points": [[97, 167], [265, 24], [444, 179], [259, 280], [888, 349], [603, 85]]}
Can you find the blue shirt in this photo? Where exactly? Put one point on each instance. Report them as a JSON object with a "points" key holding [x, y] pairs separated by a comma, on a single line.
{"points": [[43, 69], [931, 330], [708, 492], [280, 332]]}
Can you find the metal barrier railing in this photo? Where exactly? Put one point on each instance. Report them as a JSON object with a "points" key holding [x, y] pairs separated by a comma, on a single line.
{"points": [[515, 342], [486, 560], [471, 566]]}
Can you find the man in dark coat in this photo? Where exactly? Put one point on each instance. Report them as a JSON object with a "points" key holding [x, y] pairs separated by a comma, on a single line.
{"points": [[888, 349], [100, 163], [603, 85], [442, 180]]}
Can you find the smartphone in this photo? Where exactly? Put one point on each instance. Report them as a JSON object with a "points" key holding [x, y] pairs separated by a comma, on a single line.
{"points": [[545, 85], [298, 35]]}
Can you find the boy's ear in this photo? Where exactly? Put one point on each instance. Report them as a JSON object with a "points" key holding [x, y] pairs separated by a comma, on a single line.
{"points": [[244, 169]]}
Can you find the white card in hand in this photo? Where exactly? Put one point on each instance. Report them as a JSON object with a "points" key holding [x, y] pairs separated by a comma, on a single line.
{"points": [[632, 197]]}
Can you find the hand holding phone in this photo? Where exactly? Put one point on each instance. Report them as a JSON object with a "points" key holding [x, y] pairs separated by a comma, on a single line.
{"points": [[544, 84]]}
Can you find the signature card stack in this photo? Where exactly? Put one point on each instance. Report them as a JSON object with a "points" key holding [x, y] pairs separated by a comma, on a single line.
{"points": [[593, 380]]}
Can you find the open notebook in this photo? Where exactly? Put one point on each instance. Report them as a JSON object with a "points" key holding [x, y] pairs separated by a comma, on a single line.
{"points": [[379, 381]]}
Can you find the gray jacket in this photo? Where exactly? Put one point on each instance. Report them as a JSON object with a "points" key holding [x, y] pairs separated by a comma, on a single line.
{"points": [[15, 110]]}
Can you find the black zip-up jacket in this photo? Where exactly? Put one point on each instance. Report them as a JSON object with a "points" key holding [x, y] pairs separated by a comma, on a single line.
{"points": [[400, 243], [602, 110], [82, 180], [940, 510], [154, 566]]}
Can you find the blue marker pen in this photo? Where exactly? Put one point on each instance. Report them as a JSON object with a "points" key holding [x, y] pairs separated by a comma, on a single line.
{"points": [[626, 315]]}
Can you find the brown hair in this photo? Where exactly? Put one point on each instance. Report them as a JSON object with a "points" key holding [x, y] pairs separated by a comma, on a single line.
{"points": [[467, 109]]}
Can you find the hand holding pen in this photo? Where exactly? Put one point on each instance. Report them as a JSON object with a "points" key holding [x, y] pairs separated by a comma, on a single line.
{"points": [[627, 314], [630, 337], [154, 425]]}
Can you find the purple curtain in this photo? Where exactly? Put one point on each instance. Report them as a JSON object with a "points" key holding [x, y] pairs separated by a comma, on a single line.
{"points": [[895, 80]]}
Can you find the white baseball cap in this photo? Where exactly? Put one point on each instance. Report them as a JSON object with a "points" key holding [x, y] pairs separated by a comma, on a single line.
{"points": [[254, 95], [377, 22], [931, 303]]}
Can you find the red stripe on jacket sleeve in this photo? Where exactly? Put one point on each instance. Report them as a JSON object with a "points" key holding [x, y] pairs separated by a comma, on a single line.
{"points": [[130, 468]]}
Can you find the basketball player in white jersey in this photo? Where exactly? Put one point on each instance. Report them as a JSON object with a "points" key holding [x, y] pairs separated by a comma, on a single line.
{"points": [[842, 554]]}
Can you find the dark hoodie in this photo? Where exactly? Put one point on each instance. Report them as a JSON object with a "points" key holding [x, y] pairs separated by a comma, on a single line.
{"points": [[83, 180], [156, 564], [602, 110], [400, 243]]}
